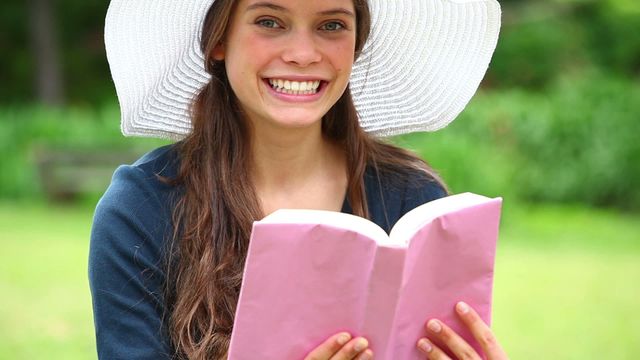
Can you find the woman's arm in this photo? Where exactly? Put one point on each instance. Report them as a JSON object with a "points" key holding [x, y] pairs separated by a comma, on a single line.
{"points": [[125, 268]]}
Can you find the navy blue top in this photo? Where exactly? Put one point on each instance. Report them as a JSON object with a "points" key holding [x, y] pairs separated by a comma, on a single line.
{"points": [[131, 226]]}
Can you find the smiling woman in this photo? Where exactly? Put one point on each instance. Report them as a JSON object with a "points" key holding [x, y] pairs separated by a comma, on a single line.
{"points": [[259, 96]]}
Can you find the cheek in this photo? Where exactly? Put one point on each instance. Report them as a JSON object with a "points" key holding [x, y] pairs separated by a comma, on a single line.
{"points": [[247, 49], [342, 56], [343, 60], [246, 60], [255, 49]]}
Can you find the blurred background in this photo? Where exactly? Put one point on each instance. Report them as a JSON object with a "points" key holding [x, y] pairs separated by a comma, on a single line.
{"points": [[554, 130]]}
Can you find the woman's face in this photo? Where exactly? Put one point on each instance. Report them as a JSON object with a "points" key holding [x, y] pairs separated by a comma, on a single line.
{"points": [[289, 61]]}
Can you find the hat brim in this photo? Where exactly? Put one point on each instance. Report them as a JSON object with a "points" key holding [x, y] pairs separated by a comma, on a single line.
{"points": [[420, 67]]}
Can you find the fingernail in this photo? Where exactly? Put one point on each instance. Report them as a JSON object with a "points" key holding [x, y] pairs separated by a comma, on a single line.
{"points": [[361, 344], [343, 338], [463, 308], [434, 325], [424, 345], [365, 356]]}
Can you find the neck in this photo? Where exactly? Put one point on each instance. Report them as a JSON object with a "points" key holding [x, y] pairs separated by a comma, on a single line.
{"points": [[298, 168], [289, 156]]}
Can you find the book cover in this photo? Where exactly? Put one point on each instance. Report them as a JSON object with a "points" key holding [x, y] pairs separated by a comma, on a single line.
{"points": [[310, 274]]}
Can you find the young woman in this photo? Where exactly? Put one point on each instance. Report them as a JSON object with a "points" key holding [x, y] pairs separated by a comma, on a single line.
{"points": [[276, 104]]}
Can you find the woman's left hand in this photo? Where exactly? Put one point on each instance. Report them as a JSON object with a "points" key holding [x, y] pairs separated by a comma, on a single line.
{"points": [[459, 347]]}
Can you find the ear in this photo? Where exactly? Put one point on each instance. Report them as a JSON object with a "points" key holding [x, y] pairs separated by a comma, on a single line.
{"points": [[218, 52]]}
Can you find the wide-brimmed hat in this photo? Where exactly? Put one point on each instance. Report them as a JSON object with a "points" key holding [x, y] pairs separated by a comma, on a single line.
{"points": [[421, 65]]}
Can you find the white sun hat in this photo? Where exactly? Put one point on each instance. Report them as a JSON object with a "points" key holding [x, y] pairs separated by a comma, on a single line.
{"points": [[420, 67]]}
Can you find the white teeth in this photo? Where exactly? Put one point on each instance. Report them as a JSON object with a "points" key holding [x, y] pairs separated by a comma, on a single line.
{"points": [[295, 87]]}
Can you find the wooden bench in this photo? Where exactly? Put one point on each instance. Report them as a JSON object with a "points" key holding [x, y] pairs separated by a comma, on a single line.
{"points": [[66, 174]]}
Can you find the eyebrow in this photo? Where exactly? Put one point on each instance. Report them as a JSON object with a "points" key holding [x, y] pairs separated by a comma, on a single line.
{"points": [[272, 6], [338, 11], [267, 5]]}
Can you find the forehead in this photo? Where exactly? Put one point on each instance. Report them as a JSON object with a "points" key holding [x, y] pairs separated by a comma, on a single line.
{"points": [[307, 6]]}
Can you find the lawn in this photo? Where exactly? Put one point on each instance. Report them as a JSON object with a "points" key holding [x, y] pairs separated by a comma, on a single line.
{"points": [[566, 287]]}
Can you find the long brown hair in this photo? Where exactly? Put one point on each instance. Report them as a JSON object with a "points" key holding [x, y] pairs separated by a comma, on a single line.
{"points": [[218, 203]]}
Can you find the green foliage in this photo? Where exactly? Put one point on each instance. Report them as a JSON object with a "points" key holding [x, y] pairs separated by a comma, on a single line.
{"points": [[84, 60], [576, 142], [79, 28], [586, 149], [613, 28], [530, 54], [541, 41], [16, 62], [27, 132]]}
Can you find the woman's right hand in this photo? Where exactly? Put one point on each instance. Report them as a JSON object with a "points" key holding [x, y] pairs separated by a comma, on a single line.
{"points": [[342, 347]]}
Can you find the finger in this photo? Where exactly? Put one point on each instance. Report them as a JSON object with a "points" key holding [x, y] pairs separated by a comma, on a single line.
{"points": [[352, 349], [458, 346], [431, 350], [365, 355], [481, 331], [330, 347]]}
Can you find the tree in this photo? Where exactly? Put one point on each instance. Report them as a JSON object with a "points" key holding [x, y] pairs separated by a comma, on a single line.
{"points": [[46, 52]]}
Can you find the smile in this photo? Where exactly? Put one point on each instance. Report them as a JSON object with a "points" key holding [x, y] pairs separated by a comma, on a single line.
{"points": [[295, 87]]}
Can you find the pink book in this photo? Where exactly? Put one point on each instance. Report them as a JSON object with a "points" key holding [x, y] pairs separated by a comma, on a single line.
{"points": [[310, 274]]}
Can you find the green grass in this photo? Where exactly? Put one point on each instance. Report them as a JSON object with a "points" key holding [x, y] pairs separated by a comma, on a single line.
{"points": [[567, 283], [46, 306], [567, 304], [566, 287]]}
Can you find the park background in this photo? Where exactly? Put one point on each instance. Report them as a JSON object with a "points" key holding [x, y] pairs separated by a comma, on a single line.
{"points": [[554, 130]]}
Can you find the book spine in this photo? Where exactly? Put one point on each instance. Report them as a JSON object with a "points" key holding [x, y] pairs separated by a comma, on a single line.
{"points": [[382, 297]]}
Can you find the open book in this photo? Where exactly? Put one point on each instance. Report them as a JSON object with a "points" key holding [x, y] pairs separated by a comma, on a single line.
{"points": [[310, 274]]}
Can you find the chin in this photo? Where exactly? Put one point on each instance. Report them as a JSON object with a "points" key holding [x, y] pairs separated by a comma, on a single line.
{"points": [[297, 124], [298, 120]]}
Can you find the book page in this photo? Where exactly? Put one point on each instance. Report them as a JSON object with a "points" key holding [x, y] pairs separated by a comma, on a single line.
{"points": [[414, 220], [334, 219]]}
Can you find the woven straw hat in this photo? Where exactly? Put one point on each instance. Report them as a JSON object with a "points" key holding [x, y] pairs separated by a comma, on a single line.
{"points": [[423, 62]]}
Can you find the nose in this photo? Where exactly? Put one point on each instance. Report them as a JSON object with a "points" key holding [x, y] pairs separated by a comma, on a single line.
{"points": [[302, 49]]}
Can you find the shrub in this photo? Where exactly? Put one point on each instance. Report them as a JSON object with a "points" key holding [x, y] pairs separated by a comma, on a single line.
{"points": [[576, 142], [26, 131]]}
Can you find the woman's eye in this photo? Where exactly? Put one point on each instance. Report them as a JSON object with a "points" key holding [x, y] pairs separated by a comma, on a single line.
{"points": [[268, 23], [333, 26]]}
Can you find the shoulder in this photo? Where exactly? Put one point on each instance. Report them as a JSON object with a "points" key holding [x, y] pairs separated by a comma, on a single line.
{"points": [[419, 187], [163, 161], [136, 208], [393, 193], [140, 184]]}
